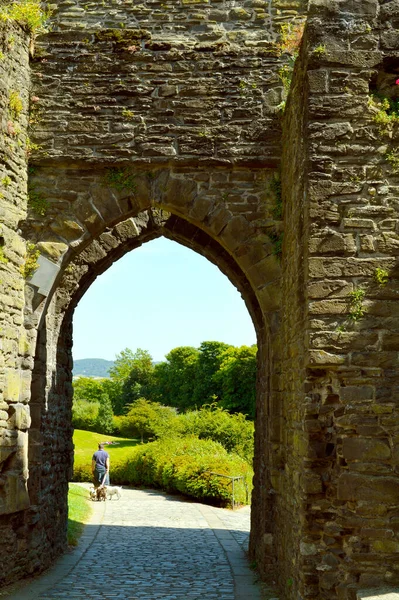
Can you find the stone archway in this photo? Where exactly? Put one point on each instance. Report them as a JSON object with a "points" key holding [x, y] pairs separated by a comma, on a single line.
{"points": [[182, 107], [50, 432]]}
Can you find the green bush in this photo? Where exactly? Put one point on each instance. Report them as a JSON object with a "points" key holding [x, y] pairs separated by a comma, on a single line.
{"points": [[234, 432], [187, 465], [84, 414]]}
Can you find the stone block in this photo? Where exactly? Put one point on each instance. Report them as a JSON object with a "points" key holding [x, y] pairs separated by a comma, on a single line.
{"points": [[354, 393], [236, 232], [19, 416], [15, 495], [179, 192], [365, 488], [311, 483], [365, 449], [67, 228], [12, 386]]}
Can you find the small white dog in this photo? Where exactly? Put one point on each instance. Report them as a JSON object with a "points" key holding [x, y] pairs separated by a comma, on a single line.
{"points": [[113, 490], [93, 493]]}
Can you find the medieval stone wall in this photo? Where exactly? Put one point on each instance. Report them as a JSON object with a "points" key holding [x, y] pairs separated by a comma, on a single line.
{"points": [[342, 413], [166, 122], [17, 342]]}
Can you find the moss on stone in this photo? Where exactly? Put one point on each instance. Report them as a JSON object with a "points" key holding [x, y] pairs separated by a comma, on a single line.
{"points": [[124, 36]]}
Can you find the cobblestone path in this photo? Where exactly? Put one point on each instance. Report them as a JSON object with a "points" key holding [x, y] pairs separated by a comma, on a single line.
{"points": [[150, 546]]}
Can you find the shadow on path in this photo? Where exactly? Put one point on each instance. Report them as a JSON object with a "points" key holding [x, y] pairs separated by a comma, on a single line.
{"points": [[151, 546]]}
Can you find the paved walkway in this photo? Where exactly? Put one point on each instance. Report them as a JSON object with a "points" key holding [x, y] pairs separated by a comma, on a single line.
{"points": [[151, 546]]}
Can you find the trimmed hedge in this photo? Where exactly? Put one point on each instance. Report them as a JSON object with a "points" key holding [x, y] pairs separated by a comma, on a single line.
{"points": [[184, 465]]}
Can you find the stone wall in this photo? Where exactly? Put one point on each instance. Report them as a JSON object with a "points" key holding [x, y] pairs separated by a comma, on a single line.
{"points": [[341, 415], [166, 122], [17, 342]]}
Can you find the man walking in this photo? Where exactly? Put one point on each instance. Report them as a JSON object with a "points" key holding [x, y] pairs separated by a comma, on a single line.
{"points": [[100, 467]]}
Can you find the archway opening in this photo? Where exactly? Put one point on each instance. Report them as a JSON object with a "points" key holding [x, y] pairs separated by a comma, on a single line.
{"points": [[52, 381]]}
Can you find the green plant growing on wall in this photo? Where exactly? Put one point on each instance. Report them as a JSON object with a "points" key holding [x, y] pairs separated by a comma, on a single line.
{"points": [[393, 158], [357, 309], [290, 38], [319, 51], [31, 260], [120, 179], [2, 55], [37, 202], [245, 87], [3, 259], [381, 276], [275, 186], [128, 114], [277, 241], [30, 14], [386, 112], [15, 104], [31, 147], [290, 41], [6, 181]]}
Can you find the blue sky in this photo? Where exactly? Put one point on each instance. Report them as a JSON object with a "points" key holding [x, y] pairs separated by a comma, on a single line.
{"points": [[157, 297]]}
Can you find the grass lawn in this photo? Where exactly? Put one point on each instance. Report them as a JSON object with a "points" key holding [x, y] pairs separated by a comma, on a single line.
{"points": [[86, 443], [79, 511]]}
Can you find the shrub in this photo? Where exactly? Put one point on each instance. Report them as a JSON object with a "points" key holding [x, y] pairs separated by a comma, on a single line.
{"points": [[233, 432], [28, 13], [84, 414], [146, 419], [189, 466]]}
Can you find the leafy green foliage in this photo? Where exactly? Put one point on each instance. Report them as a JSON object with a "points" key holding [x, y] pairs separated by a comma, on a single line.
{"points": [[28, 13], [237, 377], [79, 511], [31, 260], [186, 465], [207, 390], [37, 202], [234, 432], [87, 388], [386, 112], [275, 186], [277, 241], [381, 276], [290, 40], [189, 378], [356, 311], [84, 414], [138, 382], [104, 421], [146, 419], [121, 179], [15, 104], [174, 380], [393, 158]]}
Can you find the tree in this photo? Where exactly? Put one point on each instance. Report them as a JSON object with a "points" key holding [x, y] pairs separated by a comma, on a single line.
{"points": [[104, 422], [138, 382], [207, 389], [84, 414], [174, 380], [87, 388], [144, 419], [131, 376], [237, 380]]}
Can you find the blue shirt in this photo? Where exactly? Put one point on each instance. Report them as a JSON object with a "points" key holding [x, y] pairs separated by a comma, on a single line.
{"points": [[100, 457]]}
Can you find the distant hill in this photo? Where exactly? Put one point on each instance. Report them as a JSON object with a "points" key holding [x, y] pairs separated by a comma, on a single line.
{"points": [[92, 367]]}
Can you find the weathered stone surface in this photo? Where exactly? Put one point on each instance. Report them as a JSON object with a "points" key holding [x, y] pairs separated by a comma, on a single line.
{"points": [[166, 122], [365, 449], [354, 487]]}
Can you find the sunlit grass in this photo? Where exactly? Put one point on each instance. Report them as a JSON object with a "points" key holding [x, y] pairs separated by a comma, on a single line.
{"points": [[79, 511], [86, 443]]}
